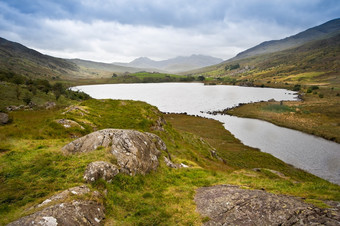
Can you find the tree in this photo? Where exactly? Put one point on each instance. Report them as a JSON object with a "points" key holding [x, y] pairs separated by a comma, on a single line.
{"points": [[201, 78]]}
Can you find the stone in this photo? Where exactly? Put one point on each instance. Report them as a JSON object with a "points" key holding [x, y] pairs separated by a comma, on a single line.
{"points": [[169, 163], [159, 124], [50, 105], [79, 190], [4, 119], [67, 123], [136, 152], [79, 110], [231, 205], [68, 213], [100, 169], [58, 210]]}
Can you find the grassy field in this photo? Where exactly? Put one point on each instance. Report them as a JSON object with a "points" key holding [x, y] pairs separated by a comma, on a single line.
{"points": [[32, 167]]}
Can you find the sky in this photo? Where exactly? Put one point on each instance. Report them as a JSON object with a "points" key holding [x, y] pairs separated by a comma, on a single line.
{"points": [[122, 30]]}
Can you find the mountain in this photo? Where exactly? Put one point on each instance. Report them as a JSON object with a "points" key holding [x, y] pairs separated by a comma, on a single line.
{"points": [[17, 58], [314, 62], [322, 31], [108, 67], [178, 64]]}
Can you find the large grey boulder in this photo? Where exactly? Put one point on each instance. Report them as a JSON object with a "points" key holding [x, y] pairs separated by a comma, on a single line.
{"points": [[58, 210], [231, 205], [4, 119], [136, 152], [69, 213], [100, 169]]}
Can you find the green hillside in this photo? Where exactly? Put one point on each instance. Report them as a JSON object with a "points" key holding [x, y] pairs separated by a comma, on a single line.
{"points": [[314, 62], [320, 32], [32, 166]]}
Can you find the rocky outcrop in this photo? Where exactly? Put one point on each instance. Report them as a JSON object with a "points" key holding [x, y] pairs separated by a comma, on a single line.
{"points": [[67, 123], [100, 169], [50, 105], [136, 152], [72, 213], [4, 119], [79, 190], [64, 212], [231, 205]]}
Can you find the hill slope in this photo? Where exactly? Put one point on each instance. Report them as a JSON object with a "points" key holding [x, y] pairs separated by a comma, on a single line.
{"points": [[316, 33], [17, 58], [178, 64], [312, 62]]}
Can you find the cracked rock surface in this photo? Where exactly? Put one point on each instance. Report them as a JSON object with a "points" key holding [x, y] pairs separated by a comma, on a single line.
{"points": [[231, 205], [73, 213], [63, 212], [100, 169], [136, 152]]}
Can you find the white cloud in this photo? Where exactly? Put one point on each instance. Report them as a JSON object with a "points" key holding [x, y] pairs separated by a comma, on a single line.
{"points": [[218, 28], [112, 41]]}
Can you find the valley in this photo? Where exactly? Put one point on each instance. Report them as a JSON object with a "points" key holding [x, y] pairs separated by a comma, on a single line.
{"points": [[45, 114]]}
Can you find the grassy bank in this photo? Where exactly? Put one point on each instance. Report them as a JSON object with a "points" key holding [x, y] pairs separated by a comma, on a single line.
{"points": [[317, 114]]}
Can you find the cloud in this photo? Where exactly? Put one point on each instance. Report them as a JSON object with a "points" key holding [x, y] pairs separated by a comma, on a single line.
{"points": [[118, 30]]}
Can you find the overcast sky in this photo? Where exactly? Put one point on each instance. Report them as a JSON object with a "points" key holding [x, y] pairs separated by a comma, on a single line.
{"points": [[122, 30]]}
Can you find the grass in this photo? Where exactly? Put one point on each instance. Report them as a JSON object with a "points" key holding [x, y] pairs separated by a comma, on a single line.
{"points": [[32, 167], [314, 115]]}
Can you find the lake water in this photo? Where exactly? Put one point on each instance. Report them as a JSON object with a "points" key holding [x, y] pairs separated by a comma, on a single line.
{"points": [[315, 155]]}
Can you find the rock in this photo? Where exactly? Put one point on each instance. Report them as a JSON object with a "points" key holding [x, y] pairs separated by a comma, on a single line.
{"points": [[12, 108], [76, 109], [100, 169], [4, 119], [69, 123], [135, 152], [231, 205], [79, 190], [71, 213], [84, 212], [159, 124], [170, 164], [50, 105]]}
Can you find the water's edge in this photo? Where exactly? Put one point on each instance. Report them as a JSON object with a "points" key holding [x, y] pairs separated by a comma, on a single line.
{"points": [[310, 153]]}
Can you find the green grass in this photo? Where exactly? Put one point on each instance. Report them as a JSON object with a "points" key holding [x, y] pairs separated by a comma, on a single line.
{"points": [[278, 108], [32, 167]]}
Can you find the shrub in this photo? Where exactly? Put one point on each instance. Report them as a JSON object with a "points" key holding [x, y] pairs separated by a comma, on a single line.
{"points": [[297, 87], [232, 67]]}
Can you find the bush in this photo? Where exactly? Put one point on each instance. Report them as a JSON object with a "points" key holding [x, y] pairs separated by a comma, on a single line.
{"points": [[232, 67], [310, 89], [297, 87]]}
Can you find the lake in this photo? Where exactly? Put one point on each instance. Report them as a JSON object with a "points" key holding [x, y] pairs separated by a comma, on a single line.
{"points": [[313, 154]]}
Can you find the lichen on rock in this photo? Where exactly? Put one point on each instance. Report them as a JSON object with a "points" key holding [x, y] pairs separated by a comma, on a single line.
{"points": [[100, 169], [136, 152], [231, 205], [69, 213]]}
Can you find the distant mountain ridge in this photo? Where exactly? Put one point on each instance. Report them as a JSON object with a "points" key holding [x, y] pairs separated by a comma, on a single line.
{"points": [[107, 66], [322, 31], [177, 64]]}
